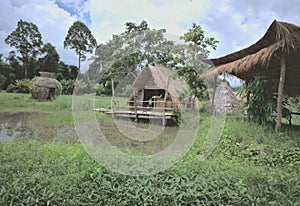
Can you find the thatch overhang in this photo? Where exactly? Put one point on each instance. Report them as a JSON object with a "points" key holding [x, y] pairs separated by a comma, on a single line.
{"points": [[264, 58]]}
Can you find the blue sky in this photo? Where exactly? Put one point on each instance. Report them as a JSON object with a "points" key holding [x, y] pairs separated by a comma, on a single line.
{"points": [[235, 23]]}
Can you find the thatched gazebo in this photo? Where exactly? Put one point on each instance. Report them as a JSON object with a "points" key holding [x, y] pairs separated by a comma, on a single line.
{"points": [[45, 87], [276, 55], [224, 100]]}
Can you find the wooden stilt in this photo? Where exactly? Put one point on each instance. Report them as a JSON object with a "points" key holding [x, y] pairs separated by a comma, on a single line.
{"points": [[165, 101], [135, 106], [280, 93]]}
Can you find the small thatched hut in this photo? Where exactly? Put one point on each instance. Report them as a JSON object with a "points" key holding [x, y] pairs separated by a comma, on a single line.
{"points": [[276, 55], [224, 100], [153, 83], [45, 87]]}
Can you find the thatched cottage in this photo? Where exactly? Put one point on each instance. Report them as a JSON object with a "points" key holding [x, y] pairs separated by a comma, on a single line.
{"points": [[153, 83]]}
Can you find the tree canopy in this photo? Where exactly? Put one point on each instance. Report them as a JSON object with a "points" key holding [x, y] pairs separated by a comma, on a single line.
{"points": [[80, 39], [190, 60], [27, 39], [50, 59]]}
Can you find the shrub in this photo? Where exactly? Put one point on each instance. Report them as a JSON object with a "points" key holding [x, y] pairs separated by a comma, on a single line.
{"points": [[67, 86], [2, 81], [262, 101], [20, 86]]}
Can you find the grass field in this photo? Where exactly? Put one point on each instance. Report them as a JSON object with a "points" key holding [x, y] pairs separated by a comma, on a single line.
{"points": [[252, 164]]}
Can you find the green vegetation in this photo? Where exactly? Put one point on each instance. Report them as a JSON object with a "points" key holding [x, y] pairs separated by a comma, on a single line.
{"points": [[252, 165], [80, 39]]}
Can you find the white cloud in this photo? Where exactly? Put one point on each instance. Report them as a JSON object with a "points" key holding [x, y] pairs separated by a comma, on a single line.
{"points": [[109, 18], [52, 22], [236, 24]]}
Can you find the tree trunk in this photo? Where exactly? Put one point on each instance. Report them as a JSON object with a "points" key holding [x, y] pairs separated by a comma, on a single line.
{"points": [[79, 55], [280, 93], [26, 66]]}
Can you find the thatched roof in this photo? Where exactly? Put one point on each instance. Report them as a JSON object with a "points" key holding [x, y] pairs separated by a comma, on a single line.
{"points": [[263, 57], [41, 88], [225, 101], [156, 76]]}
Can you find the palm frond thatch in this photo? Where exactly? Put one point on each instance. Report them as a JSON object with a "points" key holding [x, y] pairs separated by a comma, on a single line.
{"points": [[263, 57]]}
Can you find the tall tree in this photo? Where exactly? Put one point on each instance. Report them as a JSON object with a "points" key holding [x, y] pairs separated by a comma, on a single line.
{"points": [[7, 75], [27, 40], [125, 52], [191, 59], [49, 62], [80, 39]]}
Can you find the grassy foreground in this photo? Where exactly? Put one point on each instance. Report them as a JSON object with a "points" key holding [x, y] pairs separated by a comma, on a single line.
{"points": [[252, 165]]}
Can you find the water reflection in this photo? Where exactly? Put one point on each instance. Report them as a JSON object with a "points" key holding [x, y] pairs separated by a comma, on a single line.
{"points": [[12, 125], [31, 125]]}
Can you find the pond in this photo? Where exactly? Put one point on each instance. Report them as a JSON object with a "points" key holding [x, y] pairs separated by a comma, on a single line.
{"points": [[32, 125]]}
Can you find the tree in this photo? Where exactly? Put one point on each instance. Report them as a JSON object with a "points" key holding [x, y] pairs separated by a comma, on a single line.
{"points": [[80, 39], [15, 63], [7, 75], [132, 27], [67, 72], [128, 51], [190, 60], [49, 62], [27, 40]]}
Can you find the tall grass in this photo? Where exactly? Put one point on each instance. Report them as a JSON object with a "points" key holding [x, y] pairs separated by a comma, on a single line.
{"points": [[36, 173], [252, 165]]}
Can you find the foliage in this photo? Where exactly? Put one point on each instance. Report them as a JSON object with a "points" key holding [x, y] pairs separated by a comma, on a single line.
{"points": [[67, 86], [20, 86], [15, 63], [27, 40], [80, 39], [63, 174], [252, 165], [66, 72], [100, 90], [190, 64], [7, 75], [2, 81], [49, 62], [128, 52], [261, 92]]}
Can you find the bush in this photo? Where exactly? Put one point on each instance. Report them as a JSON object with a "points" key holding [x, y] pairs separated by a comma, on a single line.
{"points": [[2, 81], [261, 92], [20, 86], [67, 86]]}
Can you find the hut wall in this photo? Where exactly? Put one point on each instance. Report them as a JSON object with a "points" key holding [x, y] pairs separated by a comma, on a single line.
{"points": [[139, 98], [159, 102]]}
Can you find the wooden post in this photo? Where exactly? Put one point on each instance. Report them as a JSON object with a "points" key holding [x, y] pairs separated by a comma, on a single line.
{"points": [[280, 93], [214, 94], [135, 106], [113, 98], [165, 101], [248, 99]]}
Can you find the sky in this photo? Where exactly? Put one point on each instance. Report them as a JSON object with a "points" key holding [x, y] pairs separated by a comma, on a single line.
{"points": [[236, 24]]}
